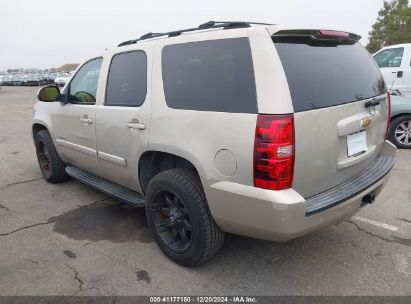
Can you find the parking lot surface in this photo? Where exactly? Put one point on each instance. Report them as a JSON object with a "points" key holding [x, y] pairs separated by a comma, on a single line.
{"points": [[69, 239]]}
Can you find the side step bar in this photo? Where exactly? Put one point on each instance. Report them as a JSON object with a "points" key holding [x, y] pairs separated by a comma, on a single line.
{"points": [[121, 193]]}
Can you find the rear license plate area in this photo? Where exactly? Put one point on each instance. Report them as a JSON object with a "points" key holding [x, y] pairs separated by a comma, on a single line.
{"points": [[357, 143]]}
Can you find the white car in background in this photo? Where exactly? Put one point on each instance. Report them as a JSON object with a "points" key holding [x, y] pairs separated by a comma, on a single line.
{"points": [[62, 79], [395, 64]]}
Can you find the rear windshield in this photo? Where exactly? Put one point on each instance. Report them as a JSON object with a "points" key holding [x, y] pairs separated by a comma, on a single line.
{"points": [[325, 76]]}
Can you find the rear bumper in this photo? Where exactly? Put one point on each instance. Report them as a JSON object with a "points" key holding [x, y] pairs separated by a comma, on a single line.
{"points": [[284, 215]]}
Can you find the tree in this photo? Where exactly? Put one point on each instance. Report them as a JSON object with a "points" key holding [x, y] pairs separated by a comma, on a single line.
{"points": [[393, 25]]}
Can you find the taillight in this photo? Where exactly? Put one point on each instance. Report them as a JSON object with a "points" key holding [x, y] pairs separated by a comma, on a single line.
{"points": [[338, 34], [389, 115], [274, 147]]}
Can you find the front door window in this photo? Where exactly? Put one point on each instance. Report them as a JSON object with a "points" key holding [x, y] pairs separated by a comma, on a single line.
{"points": [[83, 87]]}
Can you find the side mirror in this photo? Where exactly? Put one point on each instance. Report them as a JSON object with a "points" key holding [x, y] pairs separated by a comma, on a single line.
{"points": [[49, 94]]}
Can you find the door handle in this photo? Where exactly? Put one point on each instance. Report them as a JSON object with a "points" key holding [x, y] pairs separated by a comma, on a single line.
{"points": [[399, 74], [135, 124], [85, 119]]}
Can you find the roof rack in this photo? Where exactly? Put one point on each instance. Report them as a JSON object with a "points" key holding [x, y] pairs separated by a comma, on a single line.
{"points": [[204, 26]]}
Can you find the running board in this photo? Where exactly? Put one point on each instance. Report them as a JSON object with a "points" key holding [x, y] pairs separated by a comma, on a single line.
{"points": [[121, 193]]}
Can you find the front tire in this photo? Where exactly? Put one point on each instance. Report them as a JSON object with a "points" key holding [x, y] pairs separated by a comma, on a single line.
{"points": [[51, 165], [400, 132], [179, 218]]}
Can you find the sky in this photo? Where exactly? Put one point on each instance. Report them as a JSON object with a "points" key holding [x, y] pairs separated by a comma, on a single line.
{"points": [[50, 33]]}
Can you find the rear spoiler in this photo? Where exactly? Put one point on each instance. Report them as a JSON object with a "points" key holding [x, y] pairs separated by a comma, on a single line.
{"points": [[316, 37]]}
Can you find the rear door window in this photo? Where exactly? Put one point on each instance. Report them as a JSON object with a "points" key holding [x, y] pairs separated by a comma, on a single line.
{"points": [[127, 80], [328, 75], [215, 75]]}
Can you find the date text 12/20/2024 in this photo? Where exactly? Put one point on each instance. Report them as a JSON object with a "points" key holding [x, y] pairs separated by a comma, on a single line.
{"points": [[203, 299]]}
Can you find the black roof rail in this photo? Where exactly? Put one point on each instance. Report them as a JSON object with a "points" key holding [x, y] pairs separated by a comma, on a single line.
{"points": [[204, 26], [231, 24]]}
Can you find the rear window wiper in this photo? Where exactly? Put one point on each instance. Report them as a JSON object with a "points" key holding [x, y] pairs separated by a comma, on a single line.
{"points": [[314, 105]]}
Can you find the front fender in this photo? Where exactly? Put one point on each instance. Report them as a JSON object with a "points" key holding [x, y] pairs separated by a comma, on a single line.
{"points": [[41, 117]]}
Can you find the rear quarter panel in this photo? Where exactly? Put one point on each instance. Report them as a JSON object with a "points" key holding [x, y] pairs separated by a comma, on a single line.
{"points": [[199, 135]]}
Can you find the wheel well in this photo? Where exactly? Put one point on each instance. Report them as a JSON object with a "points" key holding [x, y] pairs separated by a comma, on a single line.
{"points": [[38, 127], [399, 115], [153, 162]]}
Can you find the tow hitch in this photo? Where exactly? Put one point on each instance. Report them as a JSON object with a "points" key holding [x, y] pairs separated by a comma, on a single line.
{"points": [[368, 199]]}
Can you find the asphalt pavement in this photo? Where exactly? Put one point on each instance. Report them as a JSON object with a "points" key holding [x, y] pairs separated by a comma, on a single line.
{"points": [[68, 239]]}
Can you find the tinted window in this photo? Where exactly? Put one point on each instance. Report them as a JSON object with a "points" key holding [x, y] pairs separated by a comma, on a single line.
{"points": [[389, 58], [212, 75], [83, 87], [324, 76], [127, 80]]}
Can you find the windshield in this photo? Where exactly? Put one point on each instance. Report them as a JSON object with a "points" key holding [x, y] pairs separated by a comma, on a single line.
{"points": [[328, 75]]}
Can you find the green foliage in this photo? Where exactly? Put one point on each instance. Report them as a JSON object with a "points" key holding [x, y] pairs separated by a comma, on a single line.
{"points": [[393, 25]]}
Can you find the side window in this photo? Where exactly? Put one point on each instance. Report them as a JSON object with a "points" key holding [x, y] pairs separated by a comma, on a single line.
{"points": [[83, 86], [127, 80], [215, 75], [389, 58]]}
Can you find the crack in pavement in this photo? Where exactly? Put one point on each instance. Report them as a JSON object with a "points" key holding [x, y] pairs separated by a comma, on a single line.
{"points": [[396, 239], [404, 220], [21, 182], [32, 261], [76, 277], [25, 227], [51, 220]]}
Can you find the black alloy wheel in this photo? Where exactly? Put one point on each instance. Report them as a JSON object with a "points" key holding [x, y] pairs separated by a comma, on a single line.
{"points": [[171, 221]]}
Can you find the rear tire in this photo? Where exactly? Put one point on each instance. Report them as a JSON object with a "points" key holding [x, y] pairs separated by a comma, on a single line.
{"points": [[179, 218], [400, 131], [51, 165]]}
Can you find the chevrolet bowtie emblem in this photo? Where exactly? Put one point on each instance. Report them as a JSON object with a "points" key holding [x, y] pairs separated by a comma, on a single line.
{"points": [[365, 122]]}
